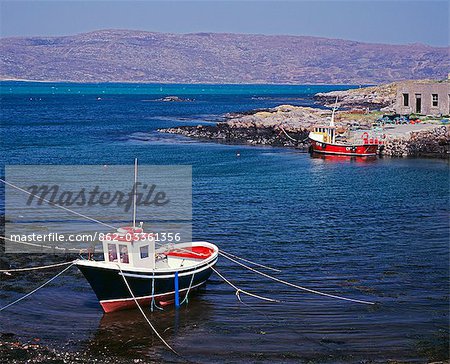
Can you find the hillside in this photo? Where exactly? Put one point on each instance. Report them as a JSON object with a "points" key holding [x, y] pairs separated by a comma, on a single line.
{"points": [[137, 56]]}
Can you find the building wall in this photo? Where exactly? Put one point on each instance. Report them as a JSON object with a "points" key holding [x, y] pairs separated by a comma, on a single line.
{"points": [[425, 90]]}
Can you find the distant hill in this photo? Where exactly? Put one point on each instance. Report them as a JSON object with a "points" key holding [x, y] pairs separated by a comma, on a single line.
{"points": [[137, 56]]}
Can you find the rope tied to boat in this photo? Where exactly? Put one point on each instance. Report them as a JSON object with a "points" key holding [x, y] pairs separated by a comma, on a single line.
{"points": [[284, 131], [143, 313], [37, 289], [186, 299], [249, 261], [243, 291], [55, 247], [297, 286], [153, 302], [35, 268]]}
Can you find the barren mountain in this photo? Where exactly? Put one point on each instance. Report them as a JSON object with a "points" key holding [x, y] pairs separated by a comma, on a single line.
{"points": [[137, 56]]}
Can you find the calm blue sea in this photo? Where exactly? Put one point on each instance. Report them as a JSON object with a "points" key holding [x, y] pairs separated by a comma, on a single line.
{"points": [[376, 230]]}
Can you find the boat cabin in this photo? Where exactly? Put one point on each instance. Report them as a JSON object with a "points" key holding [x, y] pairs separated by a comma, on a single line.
{"points": [[323, 134], [130, 246]]}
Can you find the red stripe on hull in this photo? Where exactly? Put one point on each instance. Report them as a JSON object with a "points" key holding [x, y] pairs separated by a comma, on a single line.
{"points": [[120, 305], [125, 304], [363, 150]]}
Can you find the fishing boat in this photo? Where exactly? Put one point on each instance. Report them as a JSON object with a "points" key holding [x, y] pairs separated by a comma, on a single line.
{"points": [[135, 270], [323, 141], [159, 276]]}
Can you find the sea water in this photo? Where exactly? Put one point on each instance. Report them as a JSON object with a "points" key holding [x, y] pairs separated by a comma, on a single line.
{"points": [[372, 230]]}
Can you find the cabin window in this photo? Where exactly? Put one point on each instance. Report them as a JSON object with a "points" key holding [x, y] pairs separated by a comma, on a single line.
{"points": [[405, 99], [112, 252], [434, 100], [124, 254], [144, 251]]}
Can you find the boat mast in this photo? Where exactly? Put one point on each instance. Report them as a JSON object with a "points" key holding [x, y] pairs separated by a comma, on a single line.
{"points": [[332, 130], [135, 191]]}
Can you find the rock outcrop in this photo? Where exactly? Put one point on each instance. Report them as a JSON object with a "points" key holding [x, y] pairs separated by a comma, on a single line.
{"points": [[380, 97], [289, 126], [250, 135], [373, 98], [425, 143], [173, 99], [288, 117], [282, 126]]}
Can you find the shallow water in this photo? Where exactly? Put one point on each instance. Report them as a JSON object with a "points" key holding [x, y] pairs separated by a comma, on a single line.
{"points": [[375, 230]]}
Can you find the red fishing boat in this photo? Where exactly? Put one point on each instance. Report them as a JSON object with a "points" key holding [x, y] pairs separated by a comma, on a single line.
{"points": [[323, 140]]}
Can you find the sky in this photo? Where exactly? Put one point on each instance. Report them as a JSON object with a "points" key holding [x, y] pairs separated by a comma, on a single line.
{"points": [[374, 21]]}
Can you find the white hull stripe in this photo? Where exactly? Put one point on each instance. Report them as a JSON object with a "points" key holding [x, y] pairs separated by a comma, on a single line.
{"points": [[170, 275], [112, 266]]}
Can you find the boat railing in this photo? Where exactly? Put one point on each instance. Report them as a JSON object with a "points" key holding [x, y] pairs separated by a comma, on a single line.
{"points": [[362, 137]]}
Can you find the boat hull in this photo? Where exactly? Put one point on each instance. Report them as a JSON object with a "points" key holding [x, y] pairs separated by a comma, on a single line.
{"points": [[110, 288], [362, 150]]}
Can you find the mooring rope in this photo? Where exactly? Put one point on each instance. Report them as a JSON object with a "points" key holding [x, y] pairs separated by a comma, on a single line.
{"points": [[284, 131], [56, 205], [238, 290], [187, 293], [78, 250], [143, 313], [36, 289], [153, 302], [221, 251], [35, 268], [296, 286], [231, 255]]}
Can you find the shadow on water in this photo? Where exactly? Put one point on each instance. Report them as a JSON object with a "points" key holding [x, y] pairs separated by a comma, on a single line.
{"points": [[126, 334]]}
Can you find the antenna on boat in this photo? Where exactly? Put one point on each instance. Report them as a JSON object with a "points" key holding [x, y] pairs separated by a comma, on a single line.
{"points": [[135, 191], [335, 107]]}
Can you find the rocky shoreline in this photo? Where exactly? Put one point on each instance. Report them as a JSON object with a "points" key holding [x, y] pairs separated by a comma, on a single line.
{"points": [[223, 133], [282, 126], [289, 126], [425, 143], [13, 351], [373, 98], [380, 97], [433, 143]]}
